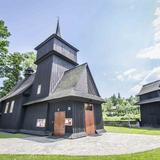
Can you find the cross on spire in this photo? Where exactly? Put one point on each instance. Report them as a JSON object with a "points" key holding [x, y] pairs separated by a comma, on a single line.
{"points": [[58, 33]]}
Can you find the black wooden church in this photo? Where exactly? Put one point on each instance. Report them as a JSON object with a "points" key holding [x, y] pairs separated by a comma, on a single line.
{"points": [[149, 101], [61, 98]]}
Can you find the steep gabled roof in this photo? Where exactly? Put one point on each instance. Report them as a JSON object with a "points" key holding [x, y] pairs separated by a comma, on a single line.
{"points": [[150, 87], [20, 87], [74, 83], [70, 78]]}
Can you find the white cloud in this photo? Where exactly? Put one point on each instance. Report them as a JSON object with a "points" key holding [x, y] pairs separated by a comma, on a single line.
{"points": [[152, 75], [129, 71], [150, 53], [131, 74], [153, 52], [120, 77]]}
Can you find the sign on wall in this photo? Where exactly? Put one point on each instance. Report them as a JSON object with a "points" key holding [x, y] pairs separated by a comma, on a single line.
{"points": [[68, 121], [41, 123]]}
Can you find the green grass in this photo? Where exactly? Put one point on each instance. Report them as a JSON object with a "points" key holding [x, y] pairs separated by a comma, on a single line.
{"points": [[149, 155], [147, 131], [10, 135]]}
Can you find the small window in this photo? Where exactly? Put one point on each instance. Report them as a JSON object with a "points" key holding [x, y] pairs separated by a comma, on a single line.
{"points": [[6, 108], [11, 107], [39, 89], [41, 123], [88, 106]]}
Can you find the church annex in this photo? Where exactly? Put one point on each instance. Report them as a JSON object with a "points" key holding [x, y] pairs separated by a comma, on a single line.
{"points": [[149, 101], [60, 99]]}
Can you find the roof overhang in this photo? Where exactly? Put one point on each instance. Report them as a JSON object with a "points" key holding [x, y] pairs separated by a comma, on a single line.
{"points": [[152, 100], [57, 37], [70, 97]]}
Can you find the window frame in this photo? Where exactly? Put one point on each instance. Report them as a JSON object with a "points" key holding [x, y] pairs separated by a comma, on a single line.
{"points": [[6, 108], [12, 106], [39, 88]]}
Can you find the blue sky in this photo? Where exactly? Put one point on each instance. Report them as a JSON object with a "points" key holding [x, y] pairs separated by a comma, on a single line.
{"points": [[118, 39]]}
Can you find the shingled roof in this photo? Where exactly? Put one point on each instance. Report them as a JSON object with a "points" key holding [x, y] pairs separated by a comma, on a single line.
{"points": [[157, 99], [150, 87], [72, 84], [20, 87]]}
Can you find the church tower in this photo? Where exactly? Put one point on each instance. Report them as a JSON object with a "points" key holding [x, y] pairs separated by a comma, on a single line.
{"points": [[54, 57]]}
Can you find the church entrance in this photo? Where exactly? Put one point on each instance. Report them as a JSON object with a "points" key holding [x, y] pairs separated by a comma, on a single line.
{"points": [[59, 123], [89, 119]]}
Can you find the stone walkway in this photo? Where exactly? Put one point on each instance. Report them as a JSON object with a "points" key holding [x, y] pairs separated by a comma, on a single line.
{"points": [[106, 144]]}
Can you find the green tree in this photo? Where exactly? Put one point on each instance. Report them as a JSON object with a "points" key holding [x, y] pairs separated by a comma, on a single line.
{"points": [[14, 70], [121, 108], [114, 99], [4, 34]]}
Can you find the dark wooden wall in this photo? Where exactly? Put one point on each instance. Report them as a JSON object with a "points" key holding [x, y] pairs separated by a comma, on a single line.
{"points": [[98, 116], [32, 113], [42, 77], [150, 95], [150, 114], [48, 74], [12, 120], [78, 117], [46, 48]]}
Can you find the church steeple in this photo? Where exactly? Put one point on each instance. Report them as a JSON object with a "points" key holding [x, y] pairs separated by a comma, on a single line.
{"points": [[54, 44], [58, 33]]}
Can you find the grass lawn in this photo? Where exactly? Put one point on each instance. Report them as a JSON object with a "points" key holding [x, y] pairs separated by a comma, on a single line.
{"points": [[148, 131], [10, 135], [149, 155]]}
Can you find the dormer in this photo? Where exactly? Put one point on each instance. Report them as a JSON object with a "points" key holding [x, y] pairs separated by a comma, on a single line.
{"points": [[56, 45]]}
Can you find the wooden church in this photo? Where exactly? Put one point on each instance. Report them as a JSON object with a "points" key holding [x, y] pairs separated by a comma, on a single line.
{"points": [[60, 99], [149, 101]]}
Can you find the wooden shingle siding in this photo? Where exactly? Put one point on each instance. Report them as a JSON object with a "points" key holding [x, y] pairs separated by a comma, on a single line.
{"points": [[64, 50], [150, 115], [32, 113], [42, 78], [46, 48], [59, 66], [78, 117], [98, 116], [12, 120]]}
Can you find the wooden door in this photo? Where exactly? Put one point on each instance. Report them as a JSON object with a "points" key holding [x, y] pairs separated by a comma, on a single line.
{"points": [[89, 121], [59, 123]]}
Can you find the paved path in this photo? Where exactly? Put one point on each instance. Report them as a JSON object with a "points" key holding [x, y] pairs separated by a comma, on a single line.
{"points": [[106, 144]]}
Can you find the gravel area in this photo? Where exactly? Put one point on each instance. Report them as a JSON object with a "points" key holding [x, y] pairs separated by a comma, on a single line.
{"points": [[105, 144]]}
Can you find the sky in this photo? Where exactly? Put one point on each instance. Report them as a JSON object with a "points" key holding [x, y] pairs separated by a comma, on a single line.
{"points": [[120, 40]]}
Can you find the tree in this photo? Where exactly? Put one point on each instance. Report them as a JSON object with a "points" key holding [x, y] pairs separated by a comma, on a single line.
{"points": [[121, 107], [4, 34], [14, 70], [119, 95], [114, 99]]}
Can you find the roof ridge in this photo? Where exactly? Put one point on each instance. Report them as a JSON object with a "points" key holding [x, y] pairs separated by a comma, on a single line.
{"points": [[76, 67], [151, 83]]}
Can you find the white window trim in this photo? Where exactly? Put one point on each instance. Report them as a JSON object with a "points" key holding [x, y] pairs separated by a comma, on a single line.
{"points": [[6, 108], [39, 89], [12, 106]]}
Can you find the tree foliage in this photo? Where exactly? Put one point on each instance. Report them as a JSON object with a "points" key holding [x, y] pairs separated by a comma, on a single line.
{"points": [[4, 34], [117, 106], [12, 65], [14, 70]]}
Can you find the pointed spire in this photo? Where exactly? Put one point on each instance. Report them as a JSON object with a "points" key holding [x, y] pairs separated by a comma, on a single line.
{"points": [[58, 33]]}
